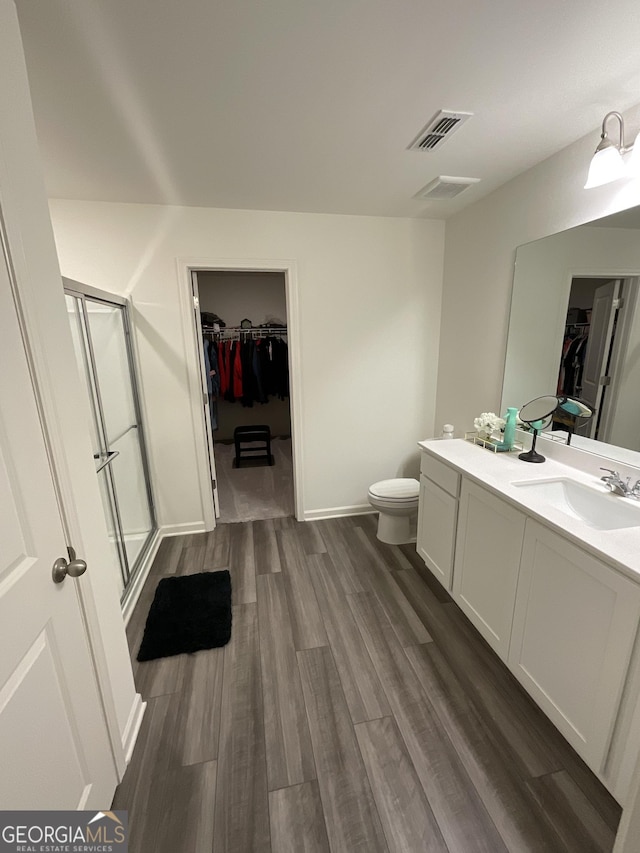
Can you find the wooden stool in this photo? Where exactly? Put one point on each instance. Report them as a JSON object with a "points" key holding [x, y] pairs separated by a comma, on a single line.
{"points": [[260, 439]]}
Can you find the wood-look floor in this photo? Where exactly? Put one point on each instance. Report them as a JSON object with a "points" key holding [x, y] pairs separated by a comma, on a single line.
{"points": [[355, 709]]}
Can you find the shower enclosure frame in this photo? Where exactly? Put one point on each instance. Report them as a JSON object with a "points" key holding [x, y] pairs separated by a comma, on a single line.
{"points": [[82, 292]]}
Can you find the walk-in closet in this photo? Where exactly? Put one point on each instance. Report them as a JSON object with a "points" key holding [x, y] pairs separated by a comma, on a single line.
{"points": [[245, 366]]}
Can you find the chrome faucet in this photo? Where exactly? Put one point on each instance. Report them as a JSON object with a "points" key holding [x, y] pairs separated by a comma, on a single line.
{"points": [[618, 486]]}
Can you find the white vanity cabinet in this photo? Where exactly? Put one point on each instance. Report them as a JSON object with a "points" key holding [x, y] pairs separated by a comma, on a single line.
{"points": [[574, 626], [487, 559], [437, 517], [560, 615]]}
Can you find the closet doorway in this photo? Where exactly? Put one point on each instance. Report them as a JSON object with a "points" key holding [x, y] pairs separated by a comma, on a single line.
{"points": [[241, 321], [599, 338]]}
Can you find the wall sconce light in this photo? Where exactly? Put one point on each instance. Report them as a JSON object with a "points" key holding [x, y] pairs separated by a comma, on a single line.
{"points": [[608, 164]]}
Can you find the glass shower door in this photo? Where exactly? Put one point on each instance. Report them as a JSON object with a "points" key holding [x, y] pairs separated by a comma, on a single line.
{"points": [[101, 335]]}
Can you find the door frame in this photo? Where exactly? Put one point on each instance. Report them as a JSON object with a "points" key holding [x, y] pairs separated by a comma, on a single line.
{"points": [[185, 266], [628, 277], [630, 294], [83, 291]]}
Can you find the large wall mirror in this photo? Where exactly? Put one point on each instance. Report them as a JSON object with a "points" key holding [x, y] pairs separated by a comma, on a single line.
{"points": [[575, 328]]}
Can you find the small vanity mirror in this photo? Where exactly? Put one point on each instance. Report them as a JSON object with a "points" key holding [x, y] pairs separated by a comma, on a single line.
{"points": [[534, 414]]}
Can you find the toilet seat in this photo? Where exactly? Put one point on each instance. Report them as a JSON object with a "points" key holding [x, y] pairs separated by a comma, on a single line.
{"points": [[381, 503], [398, 491]]}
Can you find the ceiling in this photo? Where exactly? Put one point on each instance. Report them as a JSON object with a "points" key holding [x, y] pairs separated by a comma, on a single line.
{"points": [[309, 105]]}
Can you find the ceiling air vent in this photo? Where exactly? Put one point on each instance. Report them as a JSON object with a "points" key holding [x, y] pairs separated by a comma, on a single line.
{"points": [[443, 125], [445, 187]]}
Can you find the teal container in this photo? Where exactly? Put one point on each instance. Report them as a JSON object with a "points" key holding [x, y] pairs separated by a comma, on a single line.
{"points": [[509, 430], [510, 427]]}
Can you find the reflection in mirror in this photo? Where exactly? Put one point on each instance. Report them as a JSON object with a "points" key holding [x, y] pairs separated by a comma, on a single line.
{"points": [[571, 414], [535, 413], [574, 331]]}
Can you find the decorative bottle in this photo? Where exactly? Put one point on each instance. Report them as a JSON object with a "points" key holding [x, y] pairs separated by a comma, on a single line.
{"points": [[510, 428]]}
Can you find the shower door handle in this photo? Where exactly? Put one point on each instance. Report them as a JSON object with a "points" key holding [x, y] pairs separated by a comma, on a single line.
{"points": [[111, 455]]}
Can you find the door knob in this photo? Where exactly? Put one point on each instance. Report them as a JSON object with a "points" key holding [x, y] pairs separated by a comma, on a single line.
{"points": [[61, 568]]}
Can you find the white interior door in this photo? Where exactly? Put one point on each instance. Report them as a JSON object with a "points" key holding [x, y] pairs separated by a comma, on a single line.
{"points": [[205, 395], [54, 746], [605, 304]]}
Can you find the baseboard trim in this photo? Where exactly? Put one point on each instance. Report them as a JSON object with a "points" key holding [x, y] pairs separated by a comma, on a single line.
{"points": [[132, 728], [338, 512], [182, 529]]}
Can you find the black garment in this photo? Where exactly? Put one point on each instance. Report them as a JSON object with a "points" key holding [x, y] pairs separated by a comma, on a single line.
{"points": [[257, 370], [230, 396], [249, 383], [280, 365], [264, 361], [574, 365]]}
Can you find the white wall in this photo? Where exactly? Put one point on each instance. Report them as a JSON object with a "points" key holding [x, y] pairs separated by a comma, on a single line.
{"points": [[478, 271], [234, 296], [369, 299]]}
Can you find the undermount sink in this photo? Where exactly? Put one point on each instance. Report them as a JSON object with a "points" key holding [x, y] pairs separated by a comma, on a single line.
{"points": [[599, 509]]}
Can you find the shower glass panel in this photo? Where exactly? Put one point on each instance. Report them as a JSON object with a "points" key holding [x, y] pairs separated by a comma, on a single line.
{"points": [[101, 338]]}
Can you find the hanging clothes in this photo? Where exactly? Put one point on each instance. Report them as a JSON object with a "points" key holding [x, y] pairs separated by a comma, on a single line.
{"points": [[573, 364], [280, 367], [249, 383], [251, 371], [223, 367], [236, 361], [257, 370], [213, 380], [229, 356]]}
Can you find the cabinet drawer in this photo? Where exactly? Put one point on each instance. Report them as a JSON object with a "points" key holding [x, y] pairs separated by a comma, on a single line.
{"points": [[441, 474]]}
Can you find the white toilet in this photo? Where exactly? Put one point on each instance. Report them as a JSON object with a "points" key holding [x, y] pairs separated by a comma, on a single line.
{"points": [[396, 501]]}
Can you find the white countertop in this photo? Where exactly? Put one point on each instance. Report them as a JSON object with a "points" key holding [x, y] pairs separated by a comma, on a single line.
{"points": [[498, 471]]}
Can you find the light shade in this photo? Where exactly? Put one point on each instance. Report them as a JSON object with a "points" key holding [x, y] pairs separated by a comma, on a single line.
{"points": [[633, 162], [606, 166]]}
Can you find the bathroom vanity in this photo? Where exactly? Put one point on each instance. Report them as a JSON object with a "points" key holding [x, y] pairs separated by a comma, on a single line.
{"points": [[545, 563]]}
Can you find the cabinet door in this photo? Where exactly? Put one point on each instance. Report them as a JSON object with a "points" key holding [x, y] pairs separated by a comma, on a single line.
{"points": [[437, 530], [574, 625], [488, 548]]}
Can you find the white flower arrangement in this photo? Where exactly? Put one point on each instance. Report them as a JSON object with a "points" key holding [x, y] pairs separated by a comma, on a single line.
{"points": [[488, 423]]}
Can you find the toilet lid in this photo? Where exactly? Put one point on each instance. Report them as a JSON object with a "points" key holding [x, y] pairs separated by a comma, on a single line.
{"points": [[400, 489]]}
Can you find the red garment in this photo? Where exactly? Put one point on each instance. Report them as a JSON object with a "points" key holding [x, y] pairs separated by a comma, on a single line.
{"points": [[237, 370]]}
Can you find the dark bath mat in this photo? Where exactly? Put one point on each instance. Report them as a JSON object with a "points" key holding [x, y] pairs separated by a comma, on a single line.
{"points": [[188, 613]]}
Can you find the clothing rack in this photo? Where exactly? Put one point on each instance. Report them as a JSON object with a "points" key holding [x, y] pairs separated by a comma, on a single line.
{"points": [[236, 333]]}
